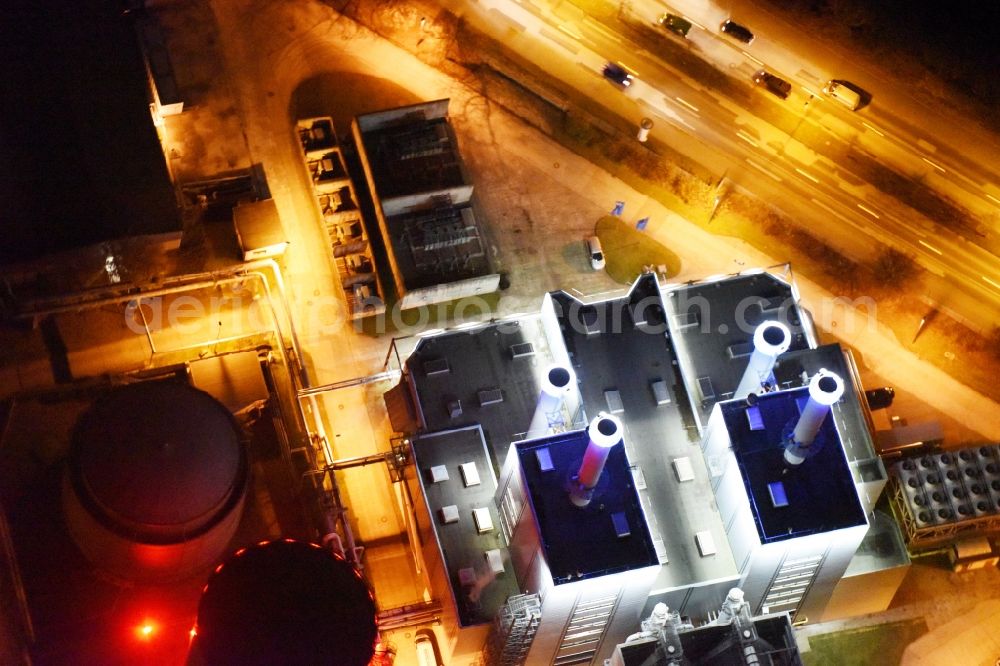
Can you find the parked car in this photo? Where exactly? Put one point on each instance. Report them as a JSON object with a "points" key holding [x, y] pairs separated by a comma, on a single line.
{"points": [[740, 33], [596, 253], [675, 24], [777, 86], [617, 74], [843, 93], [880, 398]]}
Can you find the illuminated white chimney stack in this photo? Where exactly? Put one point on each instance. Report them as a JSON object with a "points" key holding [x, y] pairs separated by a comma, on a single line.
{"points": [[769, 340], [605, 431], [556, 383], [825, 389]]}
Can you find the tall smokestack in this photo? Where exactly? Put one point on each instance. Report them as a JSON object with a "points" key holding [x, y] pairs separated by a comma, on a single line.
{"points": [[558, 381], [769, 340], [605, 432], [825, 389]]}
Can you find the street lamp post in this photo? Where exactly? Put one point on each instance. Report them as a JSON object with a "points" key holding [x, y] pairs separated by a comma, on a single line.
{"points": [[802, 119], [720, 192]]}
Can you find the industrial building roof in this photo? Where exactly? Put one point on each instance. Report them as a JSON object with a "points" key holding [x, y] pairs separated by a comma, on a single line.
{"points": [[607, 536], [428, 219], [817, 496], [462, 537], [411, 153], [793, 369], [622, 357], [636, 356], [437, 241], [69, 183], [772, 642], [712, 323], [487, 375]]}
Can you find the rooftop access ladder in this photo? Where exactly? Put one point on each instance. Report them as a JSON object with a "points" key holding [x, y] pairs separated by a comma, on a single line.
{"points": [[513, 630]]}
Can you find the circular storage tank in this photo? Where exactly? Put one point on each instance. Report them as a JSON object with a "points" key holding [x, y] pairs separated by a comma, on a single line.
{"points": [[285, 602], [156, 481]]}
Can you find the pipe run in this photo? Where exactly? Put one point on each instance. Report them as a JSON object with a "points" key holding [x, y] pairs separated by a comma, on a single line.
{"points": [[192, 282]]}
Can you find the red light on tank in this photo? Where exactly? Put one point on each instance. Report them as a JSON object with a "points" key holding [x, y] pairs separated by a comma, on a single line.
{"points": [[146, 630]]}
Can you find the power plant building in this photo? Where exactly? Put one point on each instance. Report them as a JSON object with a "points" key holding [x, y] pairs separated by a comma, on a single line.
{"points": [[773, 491]]}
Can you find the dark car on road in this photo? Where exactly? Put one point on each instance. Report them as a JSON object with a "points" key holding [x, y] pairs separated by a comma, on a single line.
{"points": [[740, 33], [775, 85], [880, 398], [617, 74], [675, 24]]}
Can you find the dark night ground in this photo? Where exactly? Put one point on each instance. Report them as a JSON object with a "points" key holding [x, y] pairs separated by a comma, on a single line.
{"points": [[957, 39], [79, 160]]}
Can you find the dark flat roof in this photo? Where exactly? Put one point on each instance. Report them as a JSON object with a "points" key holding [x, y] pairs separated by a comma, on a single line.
{"points": [[462, 546], [480, 359], [413, 155], [80, 161], [582, 542], [820, 492], [712, 325], [439, 243], [286, 601]]}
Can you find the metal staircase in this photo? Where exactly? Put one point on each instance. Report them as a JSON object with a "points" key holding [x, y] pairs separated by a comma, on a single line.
{"points": [[513, 630]]}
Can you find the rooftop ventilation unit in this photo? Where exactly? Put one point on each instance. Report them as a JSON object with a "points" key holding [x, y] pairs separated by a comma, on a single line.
{"points": [[437, 366], [490, 397], [522, 349]]}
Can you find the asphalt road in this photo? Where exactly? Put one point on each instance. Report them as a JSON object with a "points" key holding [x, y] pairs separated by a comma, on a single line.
{"points": [[849, 177]]}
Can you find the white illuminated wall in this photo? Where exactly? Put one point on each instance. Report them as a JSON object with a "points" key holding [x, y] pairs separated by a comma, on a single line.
{"points": [[630, 589], [820, 560]]}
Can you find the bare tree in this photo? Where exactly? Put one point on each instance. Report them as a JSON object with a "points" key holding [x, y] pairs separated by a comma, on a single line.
{"points": [[893, 267]]}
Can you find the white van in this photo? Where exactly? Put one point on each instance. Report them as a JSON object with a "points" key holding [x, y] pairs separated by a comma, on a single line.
{"points": [[596, 253], [838, 91]]}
